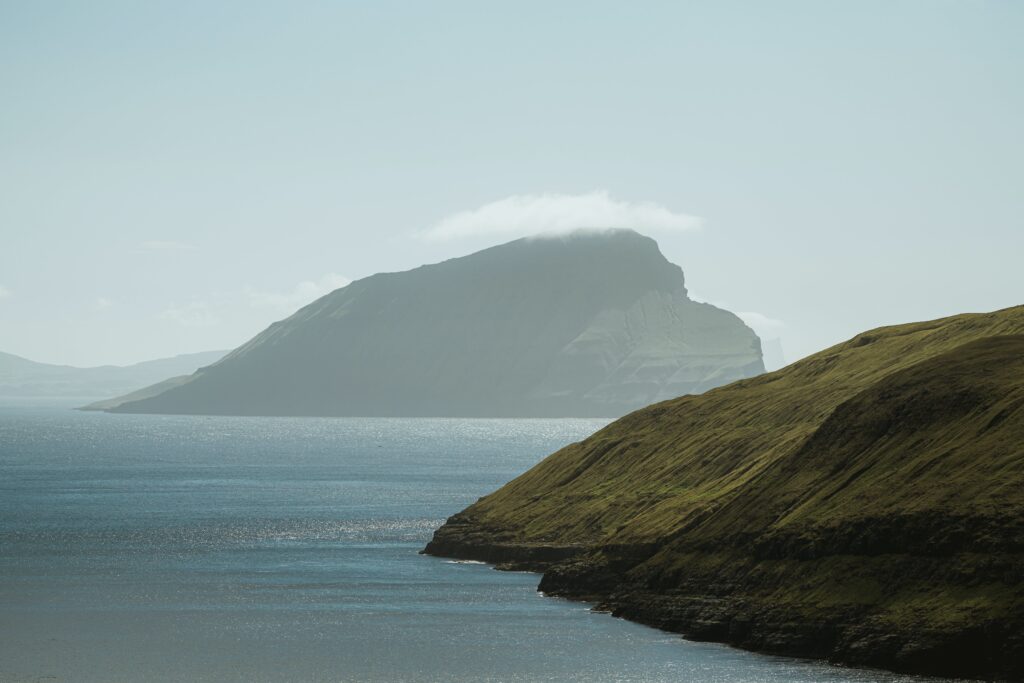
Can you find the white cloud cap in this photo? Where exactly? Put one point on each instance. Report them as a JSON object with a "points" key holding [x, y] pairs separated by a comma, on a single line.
{"points": [[5, 293], [532, 214]]}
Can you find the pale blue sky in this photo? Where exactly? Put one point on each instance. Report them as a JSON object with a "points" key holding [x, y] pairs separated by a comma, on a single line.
{"points": [[171, 172]]}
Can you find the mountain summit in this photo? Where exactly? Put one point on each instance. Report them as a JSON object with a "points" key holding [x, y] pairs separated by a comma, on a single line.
{"points": [[587, 324]]}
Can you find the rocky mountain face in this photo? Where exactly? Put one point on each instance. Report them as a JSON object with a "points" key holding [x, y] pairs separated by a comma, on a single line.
{"points": [[865, 504], [589, 324]]}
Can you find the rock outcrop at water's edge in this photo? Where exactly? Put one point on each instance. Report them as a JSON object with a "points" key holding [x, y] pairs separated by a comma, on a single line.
{"points": [[864, 505]]}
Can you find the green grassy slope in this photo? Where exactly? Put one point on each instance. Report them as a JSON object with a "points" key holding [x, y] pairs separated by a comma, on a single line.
{"points": [[864, 504]]}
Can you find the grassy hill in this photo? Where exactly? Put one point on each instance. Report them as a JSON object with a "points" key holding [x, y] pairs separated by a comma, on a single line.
{"points": [[865, 504]]}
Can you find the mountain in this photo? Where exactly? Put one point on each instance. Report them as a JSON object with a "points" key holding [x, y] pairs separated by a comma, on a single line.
{"points": [[21, 378], [589, 324], [865, 504]]}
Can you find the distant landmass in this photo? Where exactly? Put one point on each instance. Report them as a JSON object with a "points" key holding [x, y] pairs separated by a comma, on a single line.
{"points": [[865, 505], [139, 394], [589, 324], [21, 378]]}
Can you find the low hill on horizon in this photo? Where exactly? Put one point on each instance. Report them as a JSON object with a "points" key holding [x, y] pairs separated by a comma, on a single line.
{"points": [[21, 378], [593, 323], [864, 504]]}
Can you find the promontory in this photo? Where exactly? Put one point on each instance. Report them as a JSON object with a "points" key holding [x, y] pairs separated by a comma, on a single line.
{"points": [[864, 505]]}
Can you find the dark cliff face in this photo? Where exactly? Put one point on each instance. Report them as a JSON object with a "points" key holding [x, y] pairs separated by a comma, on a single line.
{"points": [[591, 324], [865, 504]]}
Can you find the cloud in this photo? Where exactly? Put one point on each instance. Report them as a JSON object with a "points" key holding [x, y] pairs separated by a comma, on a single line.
{"points": [[194, 314], [765, 327], [102, 303], [301, 294], [5, 293], [165, 245], [532, 214]]}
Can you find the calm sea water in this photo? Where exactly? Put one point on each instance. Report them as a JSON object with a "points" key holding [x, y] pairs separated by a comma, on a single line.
{"points": [[151, 548]]}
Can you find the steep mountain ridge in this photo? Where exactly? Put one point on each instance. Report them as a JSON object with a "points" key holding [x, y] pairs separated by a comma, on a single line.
{"points": [[595, 323], [864, 504]]}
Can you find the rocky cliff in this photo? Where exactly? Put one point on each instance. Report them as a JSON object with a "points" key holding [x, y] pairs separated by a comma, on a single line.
{"points": [[865, 505], [590, 324]]}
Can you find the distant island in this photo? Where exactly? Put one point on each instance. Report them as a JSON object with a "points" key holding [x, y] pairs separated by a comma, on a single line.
{"points": [[595, 323], [21, 378], [865, 505]]}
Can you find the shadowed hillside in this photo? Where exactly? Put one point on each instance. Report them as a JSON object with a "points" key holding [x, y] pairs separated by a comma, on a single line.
{"points": [[590, 324], [865, 504]]}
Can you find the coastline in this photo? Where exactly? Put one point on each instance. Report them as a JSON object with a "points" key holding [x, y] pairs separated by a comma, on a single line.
{"points": [[728, 613], [862, 506]]}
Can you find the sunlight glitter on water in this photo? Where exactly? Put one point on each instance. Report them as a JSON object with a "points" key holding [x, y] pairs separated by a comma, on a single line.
{"points": [[240, 549]]}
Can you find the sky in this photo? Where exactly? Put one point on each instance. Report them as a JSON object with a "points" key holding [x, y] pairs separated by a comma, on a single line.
{"points": [[175, 176]]}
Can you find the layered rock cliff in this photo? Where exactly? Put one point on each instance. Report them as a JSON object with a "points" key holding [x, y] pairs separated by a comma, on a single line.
{"points": [[589, 324], [865, 505]]}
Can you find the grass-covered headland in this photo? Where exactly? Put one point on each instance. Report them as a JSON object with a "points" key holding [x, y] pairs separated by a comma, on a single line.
{"points": [[865, 505]]}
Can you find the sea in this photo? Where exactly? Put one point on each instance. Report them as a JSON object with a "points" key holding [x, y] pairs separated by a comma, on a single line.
{"points": [[174, 548]]}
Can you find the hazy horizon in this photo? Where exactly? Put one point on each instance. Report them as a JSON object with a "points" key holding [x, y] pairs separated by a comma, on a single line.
{"points": [[178, 176]]}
